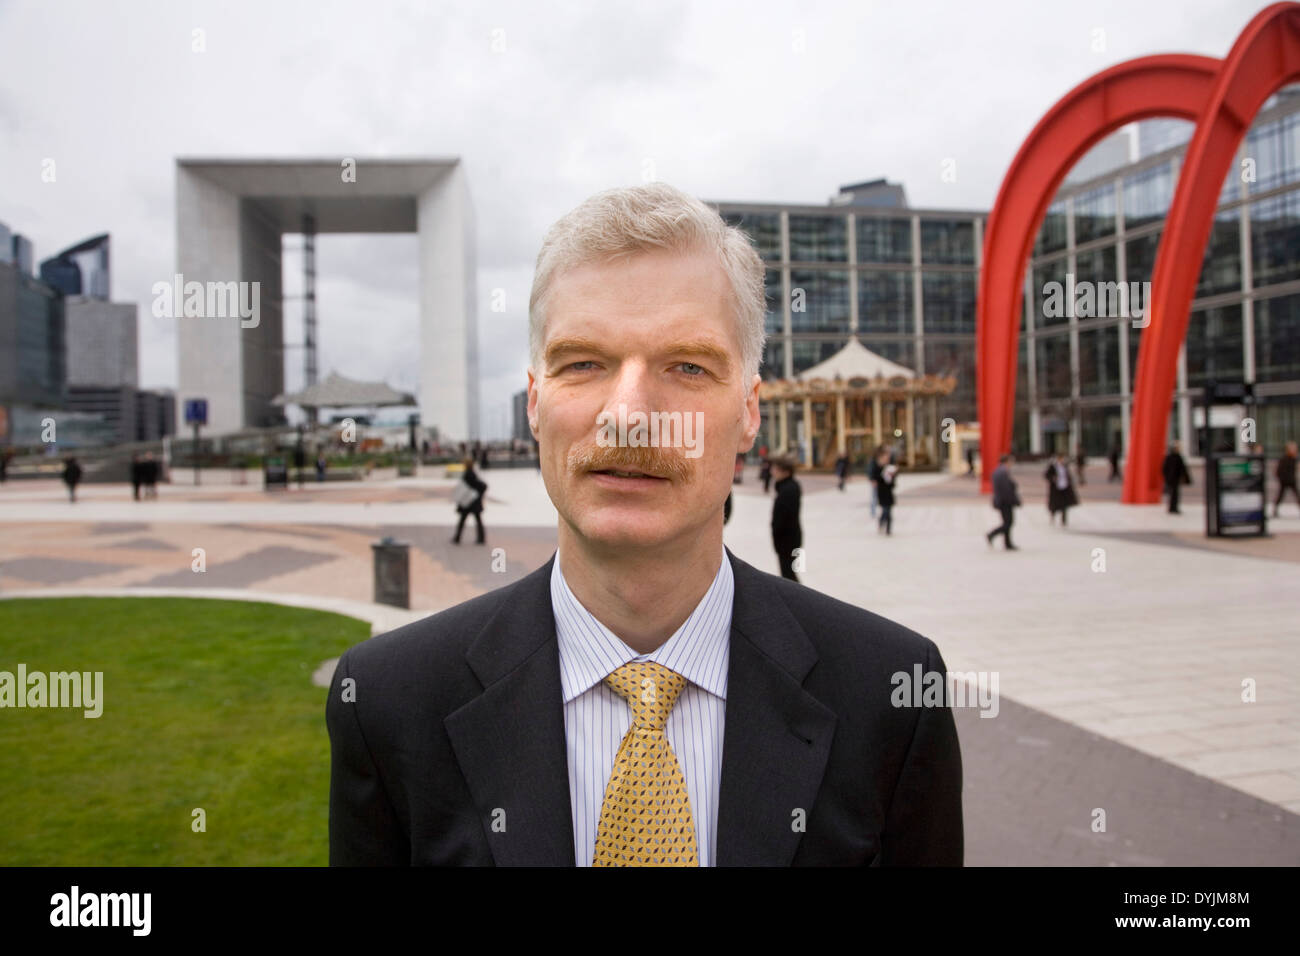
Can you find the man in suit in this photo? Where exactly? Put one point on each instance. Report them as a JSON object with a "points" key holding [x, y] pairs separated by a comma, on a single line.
{"points": [[1175, 474], [787, 533], [644, 666], [1006, 499]]}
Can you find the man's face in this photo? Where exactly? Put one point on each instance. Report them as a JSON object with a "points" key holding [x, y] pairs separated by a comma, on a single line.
{"points": [[655, 333]]}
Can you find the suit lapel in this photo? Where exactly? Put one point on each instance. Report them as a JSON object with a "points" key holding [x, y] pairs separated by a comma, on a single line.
{"points": [[777, 736], [509, 740]]}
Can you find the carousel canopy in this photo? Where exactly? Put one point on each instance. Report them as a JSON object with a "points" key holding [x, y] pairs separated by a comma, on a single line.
{"points": [[855, 361], [339, 392]]}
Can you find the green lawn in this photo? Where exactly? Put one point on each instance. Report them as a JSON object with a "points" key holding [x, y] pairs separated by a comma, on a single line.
{"points": [[205, 704]]}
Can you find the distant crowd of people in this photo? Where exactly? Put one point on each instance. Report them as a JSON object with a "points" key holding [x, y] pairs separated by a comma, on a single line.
{"points": [[1061, 475]]}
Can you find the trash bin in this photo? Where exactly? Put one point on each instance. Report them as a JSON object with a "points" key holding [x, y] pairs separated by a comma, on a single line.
{"points": [[392, 573]]}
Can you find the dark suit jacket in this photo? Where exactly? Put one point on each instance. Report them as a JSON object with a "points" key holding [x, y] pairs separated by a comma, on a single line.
{"points": [[453, 752]]}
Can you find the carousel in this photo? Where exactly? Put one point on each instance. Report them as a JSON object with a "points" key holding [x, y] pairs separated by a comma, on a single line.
{"points": [[852, 403]]}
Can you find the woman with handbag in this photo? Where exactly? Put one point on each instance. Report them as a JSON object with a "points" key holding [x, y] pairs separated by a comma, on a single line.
{"points": [[468, 497], [1061, 495]]}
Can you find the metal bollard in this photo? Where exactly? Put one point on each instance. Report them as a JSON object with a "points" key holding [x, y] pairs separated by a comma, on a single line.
{"points": [[392, 573]]}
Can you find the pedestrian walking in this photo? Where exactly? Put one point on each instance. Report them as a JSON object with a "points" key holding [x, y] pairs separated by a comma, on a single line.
{"points": [[765, 472], [137, 475], [842, 468], [1176, 475], [321, 465], [1005, 499], [885, 494], [873, 475], [970, 461], [150, 469], [787, 534], [469, 500], [1061, 495], [71, 477], [1286, 476], [1113, 458], [1080, 464], [299, 461]]}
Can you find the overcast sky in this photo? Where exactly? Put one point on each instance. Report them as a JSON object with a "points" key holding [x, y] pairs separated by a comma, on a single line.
{"points": [[545, 103]]}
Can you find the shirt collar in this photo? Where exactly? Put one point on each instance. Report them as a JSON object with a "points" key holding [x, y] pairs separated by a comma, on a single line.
{"points": [[698, 650]]}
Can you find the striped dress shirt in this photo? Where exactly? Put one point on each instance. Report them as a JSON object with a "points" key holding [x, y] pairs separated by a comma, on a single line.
{"points": [[596, 718]]}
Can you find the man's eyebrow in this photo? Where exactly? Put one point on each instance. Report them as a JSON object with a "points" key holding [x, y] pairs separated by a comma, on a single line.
{"points": [[567, 346], [700, 349]]}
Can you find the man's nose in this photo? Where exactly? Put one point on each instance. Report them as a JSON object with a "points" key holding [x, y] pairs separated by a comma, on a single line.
{"points": [[634, 387]]}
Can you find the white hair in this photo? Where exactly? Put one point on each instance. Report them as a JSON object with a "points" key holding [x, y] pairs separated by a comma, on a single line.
{"points": [[619, 222]]}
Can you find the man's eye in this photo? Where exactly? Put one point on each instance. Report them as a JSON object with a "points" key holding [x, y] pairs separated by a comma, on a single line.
{"points": [[692, 369], [574, 365]]}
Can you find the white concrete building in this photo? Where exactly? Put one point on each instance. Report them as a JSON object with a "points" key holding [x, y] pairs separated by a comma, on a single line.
{"points": [[230, 215]]}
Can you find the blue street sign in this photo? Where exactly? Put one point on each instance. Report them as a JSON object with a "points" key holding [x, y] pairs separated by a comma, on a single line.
{"points": [[196, 411]]}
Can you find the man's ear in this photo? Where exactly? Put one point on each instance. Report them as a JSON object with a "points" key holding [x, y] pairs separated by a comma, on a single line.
{"points": [[532, 404], [753, 416]]}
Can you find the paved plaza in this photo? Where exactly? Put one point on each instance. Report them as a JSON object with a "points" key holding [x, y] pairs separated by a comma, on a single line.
{"points": [[1121, 644]]}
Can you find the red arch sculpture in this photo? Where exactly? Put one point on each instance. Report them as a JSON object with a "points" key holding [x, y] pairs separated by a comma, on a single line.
{"points": [[1222, 98], [1168, 85], [1265, 57]]}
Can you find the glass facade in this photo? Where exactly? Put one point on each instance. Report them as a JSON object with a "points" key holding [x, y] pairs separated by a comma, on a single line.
{"points": [[948, 242], [819, 239], [1147, 195], [1275, 147], [1094, 214], [948, 302], [40, 353], [1277, 339], [1275, 239], [819, 300], [885, 301], [809, 353], [1213, 344], [1052, 356], [1052, 236], [884, 239], [1099, 361]]}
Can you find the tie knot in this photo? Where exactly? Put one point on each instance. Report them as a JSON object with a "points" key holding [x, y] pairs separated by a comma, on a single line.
{"points": [[651, 689]]}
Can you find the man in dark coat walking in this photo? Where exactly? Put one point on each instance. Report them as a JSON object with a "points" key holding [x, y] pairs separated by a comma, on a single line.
{"points": [[786, 531], [474, 507], [1006, 499], [1061, 495], [1176, 475], [1113, 457], [71, 477], [1286, 476]]}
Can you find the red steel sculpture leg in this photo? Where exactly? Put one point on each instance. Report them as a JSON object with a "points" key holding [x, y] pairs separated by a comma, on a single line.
{"points": [[1166, 85], [1265, 57]]}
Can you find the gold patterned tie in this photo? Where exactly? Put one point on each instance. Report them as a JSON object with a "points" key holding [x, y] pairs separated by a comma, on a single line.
{"points": [[646, 818]]}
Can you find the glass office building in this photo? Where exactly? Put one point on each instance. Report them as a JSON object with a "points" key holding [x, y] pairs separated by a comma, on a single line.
{"points": [[901, 281], [1077, 369]]}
